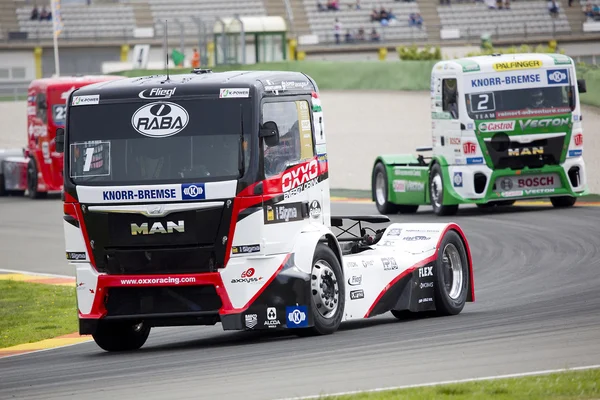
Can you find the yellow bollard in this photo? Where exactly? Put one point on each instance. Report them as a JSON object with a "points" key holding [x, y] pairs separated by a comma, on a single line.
{"points": [[300, 55], [292, 46], [37, 57], [124, 52], [210, 50], [382, 54]]}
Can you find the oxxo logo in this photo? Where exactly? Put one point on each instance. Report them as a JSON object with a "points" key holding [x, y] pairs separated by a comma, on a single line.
{"points": [[299, 176], [160, 119], [425, 272]]}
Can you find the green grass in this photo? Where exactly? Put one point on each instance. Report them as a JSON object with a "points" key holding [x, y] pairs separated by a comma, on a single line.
{"points": [[374, 75], [30, 312], [560, 386]]}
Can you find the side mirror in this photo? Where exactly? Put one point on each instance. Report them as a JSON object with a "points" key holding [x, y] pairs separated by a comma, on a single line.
{"points": [[59, 141], [581, 87], [270, 132]]}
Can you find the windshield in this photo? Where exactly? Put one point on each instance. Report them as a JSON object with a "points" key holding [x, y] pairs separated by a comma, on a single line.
{"points": [[528, 102], [160, 142]]}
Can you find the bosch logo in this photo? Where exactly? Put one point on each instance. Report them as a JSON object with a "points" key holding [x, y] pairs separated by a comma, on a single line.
{"points": [[193, 191], [297, 316]]}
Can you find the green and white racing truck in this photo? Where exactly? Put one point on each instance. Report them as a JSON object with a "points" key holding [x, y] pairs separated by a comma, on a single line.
{"points": [[504, 128]]}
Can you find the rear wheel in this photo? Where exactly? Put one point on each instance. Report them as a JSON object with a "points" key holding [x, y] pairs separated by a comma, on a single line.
{"points": [[121, 336], [3, 191], [436, 185], [380, 191], [327, 293], [563, 201], [32, 181], [451, 275]]}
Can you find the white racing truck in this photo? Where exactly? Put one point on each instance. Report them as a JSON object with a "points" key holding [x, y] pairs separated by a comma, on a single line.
{"points": [[204, 198], [503, 128]]}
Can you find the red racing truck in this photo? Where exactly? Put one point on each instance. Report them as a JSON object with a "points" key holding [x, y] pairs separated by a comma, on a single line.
{"points": [[38, 168]]}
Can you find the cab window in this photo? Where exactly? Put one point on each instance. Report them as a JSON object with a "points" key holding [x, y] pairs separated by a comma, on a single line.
{"points": [[450, 97], [295, 135], [41, 107]]}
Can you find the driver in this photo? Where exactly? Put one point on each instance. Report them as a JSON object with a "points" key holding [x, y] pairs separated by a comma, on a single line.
{"points": [[277, 158], [537, 98]]}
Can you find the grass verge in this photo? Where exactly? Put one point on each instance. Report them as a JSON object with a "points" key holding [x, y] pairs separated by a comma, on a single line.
{"points": [[30, 312], [374, 75], [582, 385]]}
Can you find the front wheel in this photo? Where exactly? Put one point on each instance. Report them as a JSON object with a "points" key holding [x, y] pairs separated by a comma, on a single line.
{"points": [[328, 293], [121, 336], [436, 185], [451, 275], [563, 201], [380, 186]]}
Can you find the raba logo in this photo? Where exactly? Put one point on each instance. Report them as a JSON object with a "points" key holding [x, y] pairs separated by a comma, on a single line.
{"points": [[160, 119]]}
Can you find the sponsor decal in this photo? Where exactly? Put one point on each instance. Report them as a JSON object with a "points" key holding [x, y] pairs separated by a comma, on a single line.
{"points": [[469, 148], [315, 209], [157, 227], [415, 238], [506, 80], [285, 85], [539, 191], [425, 285], [161, 119], [357, 294], [557, 76], [355, 280], [575, 153], [59, 113], [234, 93], [526, 151], [140, 194], [425, 300], [506, 184], [386, 243], [474, 160], [283, 213], [470, 126], [157, 93], [299, 178], [38, 131], [425, 272], [394, 232], [351, 264], [86, 100], [367, 263], [578, 139], [505, 126], [536, 181], [251, 320], [389, 264], [514, 193], [408, 186], [454, 141], [159, 281], [246, 249], [538, 112], [248, 277], [272, 321], [458, 179], [542, 123], [399, 186], [193, 191], [407, 172], [514, 65], [296, 316], [75, 255]]}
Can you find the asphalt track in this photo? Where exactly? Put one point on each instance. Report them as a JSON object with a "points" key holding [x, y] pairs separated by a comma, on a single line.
{"points": [[536, 276]]}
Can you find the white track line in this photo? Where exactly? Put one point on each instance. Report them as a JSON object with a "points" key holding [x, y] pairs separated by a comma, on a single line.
{"points": [[523, 374], [16, 271]]}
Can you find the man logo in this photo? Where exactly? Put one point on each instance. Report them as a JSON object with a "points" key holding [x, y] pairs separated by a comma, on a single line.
{"points": [[161, 119], [157, 227]]}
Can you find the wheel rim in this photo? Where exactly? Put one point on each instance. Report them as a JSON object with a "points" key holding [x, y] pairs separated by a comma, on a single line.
{"points": [[452, 271], [380, 188], [436, 190], [325, 289]]}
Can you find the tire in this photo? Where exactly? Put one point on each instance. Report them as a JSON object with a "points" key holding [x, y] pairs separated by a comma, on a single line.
{"points": [[121, 336], [436, 190], [327, 319], [32, 181], [379, 188], [563, 201], [451, 276]]}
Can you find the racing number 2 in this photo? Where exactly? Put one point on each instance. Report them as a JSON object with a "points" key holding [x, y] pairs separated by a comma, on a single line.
{"points": [[483, 102]]}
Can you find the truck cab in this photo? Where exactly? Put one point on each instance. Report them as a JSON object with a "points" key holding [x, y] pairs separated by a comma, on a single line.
{"points": [[38, 169], [504, 128]]}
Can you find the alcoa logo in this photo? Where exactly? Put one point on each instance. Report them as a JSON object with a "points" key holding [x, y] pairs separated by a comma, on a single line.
{"points": [[193, 191], [160, 119]]}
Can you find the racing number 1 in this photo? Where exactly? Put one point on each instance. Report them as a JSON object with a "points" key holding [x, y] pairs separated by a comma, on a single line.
{"points": [[89, 152]]}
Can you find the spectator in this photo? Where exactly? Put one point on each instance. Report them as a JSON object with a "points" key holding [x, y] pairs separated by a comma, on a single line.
{"points": [[374, 15], [507, 4], [374, 35], [415, 20], [553, 7], [320, 6], [196, 59], [35, 13], [333, 5], [361, 34], [349, 38], [337, 30], [357, 5]]}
